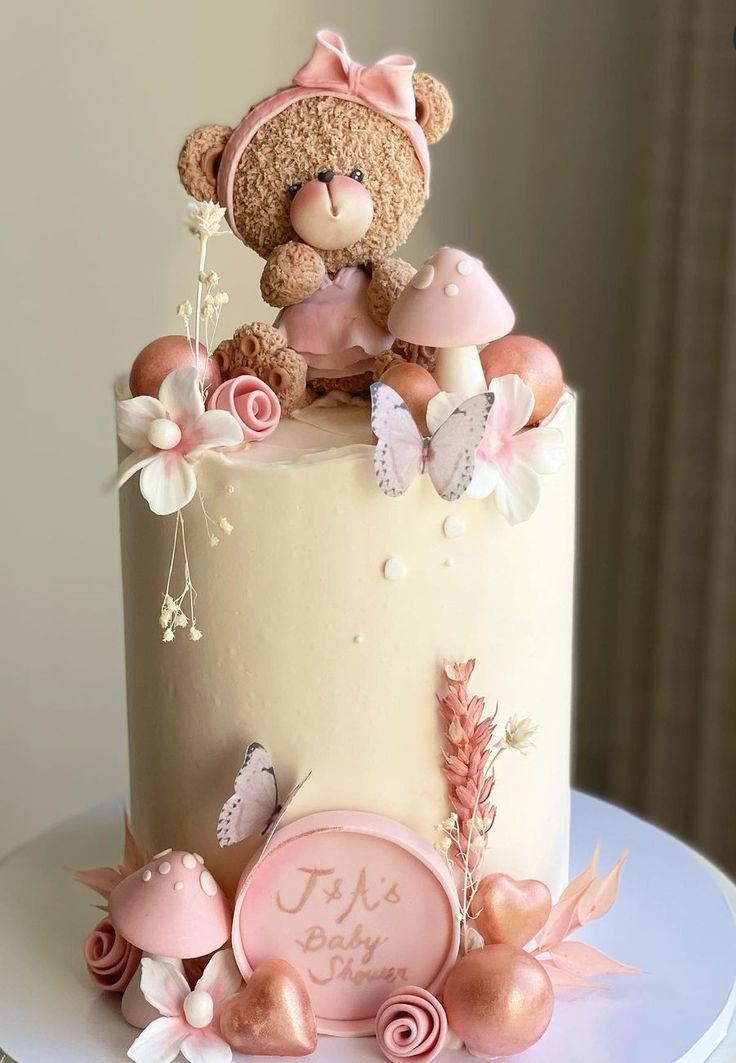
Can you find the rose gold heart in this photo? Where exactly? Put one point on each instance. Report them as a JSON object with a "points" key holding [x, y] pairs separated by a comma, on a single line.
{"points": [[510, 912], [272, 1016]]}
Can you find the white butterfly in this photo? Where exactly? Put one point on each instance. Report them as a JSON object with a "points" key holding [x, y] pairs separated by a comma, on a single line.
{"points": [[254, 808], [448, 455]]}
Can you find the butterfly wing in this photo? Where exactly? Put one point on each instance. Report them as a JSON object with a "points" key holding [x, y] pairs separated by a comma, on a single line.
{"points": [[400, 448], [281, 812], [256, 798], [451, 456]]}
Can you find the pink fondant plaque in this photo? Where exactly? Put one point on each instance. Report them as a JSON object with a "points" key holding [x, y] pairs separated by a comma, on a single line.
{"points": [[358, 904]]}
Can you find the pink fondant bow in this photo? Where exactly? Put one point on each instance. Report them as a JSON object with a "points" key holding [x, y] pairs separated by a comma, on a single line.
{"points": [[386, 87]]}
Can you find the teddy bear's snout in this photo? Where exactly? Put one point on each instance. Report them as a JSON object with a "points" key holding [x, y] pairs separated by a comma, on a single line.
{"points": [[332, 211]]}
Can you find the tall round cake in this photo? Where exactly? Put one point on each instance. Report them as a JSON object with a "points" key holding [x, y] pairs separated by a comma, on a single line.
{"points": [[329, 612], [348, 545]]}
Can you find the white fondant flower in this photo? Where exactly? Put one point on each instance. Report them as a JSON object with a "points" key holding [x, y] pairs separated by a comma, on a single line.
{"points": [[204, 218], [510, 457], [167, 434], [189, 1018]]}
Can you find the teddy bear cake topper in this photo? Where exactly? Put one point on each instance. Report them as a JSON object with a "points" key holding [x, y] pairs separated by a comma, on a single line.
{"points": [[324, 179]]}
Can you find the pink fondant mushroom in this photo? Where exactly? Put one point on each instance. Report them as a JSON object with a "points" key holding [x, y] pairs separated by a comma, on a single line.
{"points": [[454, 305], [173, 910]]}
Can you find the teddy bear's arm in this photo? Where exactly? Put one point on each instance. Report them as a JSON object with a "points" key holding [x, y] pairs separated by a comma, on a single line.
{"points": [[388, 280], [292, 273]]}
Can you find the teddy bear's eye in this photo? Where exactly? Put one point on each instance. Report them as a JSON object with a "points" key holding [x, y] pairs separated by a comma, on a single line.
{"points": [[357, 175], [293, 189]]}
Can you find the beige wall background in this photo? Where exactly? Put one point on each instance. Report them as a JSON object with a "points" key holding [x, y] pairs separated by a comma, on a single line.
{"points": [[538, 176]]}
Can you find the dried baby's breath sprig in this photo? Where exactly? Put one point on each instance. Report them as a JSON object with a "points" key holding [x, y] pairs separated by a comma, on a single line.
{"points": [[225, 525], [184, 309], [172, 615], [204, 219], [519, 734]]}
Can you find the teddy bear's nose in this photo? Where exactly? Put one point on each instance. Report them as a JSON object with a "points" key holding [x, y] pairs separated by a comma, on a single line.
{"points": [[325, 175]]}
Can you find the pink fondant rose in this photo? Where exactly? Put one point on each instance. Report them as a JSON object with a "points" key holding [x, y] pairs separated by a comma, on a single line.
{"points": [[251, 402], [111, 960], [411, 1025]]}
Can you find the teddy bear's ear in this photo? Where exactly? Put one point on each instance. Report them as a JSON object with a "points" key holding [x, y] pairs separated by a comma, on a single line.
{"points": [[434, 106], [199, 159]]}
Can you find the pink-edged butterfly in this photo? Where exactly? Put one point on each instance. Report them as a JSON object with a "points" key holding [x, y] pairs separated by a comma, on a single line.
{"points": [[448, 456], [254, 807]]}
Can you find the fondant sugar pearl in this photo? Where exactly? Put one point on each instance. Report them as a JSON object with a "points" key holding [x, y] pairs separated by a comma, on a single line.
{"points": [[163, 869], [423, 278], [454, 527], [147, 875], [208, 884], [452, 290], [189, 860], [164, 852], [359, 640], [465, 267], [395, 569], [178, 886]]}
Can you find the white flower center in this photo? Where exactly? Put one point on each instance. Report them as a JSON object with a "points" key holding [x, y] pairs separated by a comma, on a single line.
{"points": [[493, 442], [164, 434], [199, 1009]]}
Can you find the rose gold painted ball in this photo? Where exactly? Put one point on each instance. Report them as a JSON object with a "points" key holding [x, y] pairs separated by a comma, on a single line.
{"points": [[163, 356], [499, 1000], [533, 361], [416, 387]]}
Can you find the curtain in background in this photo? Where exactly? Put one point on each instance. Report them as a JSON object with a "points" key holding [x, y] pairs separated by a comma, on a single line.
{"points": [[672, 733]]}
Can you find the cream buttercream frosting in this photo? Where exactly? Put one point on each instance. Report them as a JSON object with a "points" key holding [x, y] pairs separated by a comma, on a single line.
{"points": [[326, 617]]}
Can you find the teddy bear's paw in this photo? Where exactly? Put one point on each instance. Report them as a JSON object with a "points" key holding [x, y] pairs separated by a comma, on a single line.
{"points": [[286, 372], [426, 357], [255, 341], [292, 273], [388, 281]]}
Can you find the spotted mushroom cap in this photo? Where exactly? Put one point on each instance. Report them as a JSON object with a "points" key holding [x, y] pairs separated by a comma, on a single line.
{"points": [[451, 302], [172, 907]]}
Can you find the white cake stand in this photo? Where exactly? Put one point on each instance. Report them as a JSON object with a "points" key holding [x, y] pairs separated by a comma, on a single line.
{"points": [[674, 919]]}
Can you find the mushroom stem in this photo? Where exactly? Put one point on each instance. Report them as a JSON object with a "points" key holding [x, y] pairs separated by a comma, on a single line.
{"points": [[459, 371], [134, 1006]]}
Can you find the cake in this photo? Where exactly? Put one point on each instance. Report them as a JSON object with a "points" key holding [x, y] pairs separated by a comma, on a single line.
{"points": [[348, 560]]}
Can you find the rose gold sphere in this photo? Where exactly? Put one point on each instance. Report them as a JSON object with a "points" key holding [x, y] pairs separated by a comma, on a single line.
{"points": [[499, 1000], [511, 911], [163, 356], [416, 387], [533, 361]]}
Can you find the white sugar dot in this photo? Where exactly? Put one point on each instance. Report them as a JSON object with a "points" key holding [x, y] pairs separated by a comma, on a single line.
{"points": [[230, 489], [464, 267], [359, 640], [395, 569], [189, 861], [164, 852], [208, 884], [163, 869], [198, 858], [449, 562], [423, 278], [452, 289], [178, 886], [147, 875], [454, 527]]}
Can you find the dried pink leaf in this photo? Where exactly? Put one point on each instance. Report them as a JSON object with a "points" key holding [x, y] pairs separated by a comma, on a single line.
{"points": [[599, 897], [562, 921], [580, 959], [562, 979], [580, 883]]}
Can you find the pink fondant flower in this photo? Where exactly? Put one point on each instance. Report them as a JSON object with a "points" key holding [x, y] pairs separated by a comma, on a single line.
{"points": [[253, 404], [111, 960], [511, 457], [411, 1025], [189, 1020], [167, 434]]}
